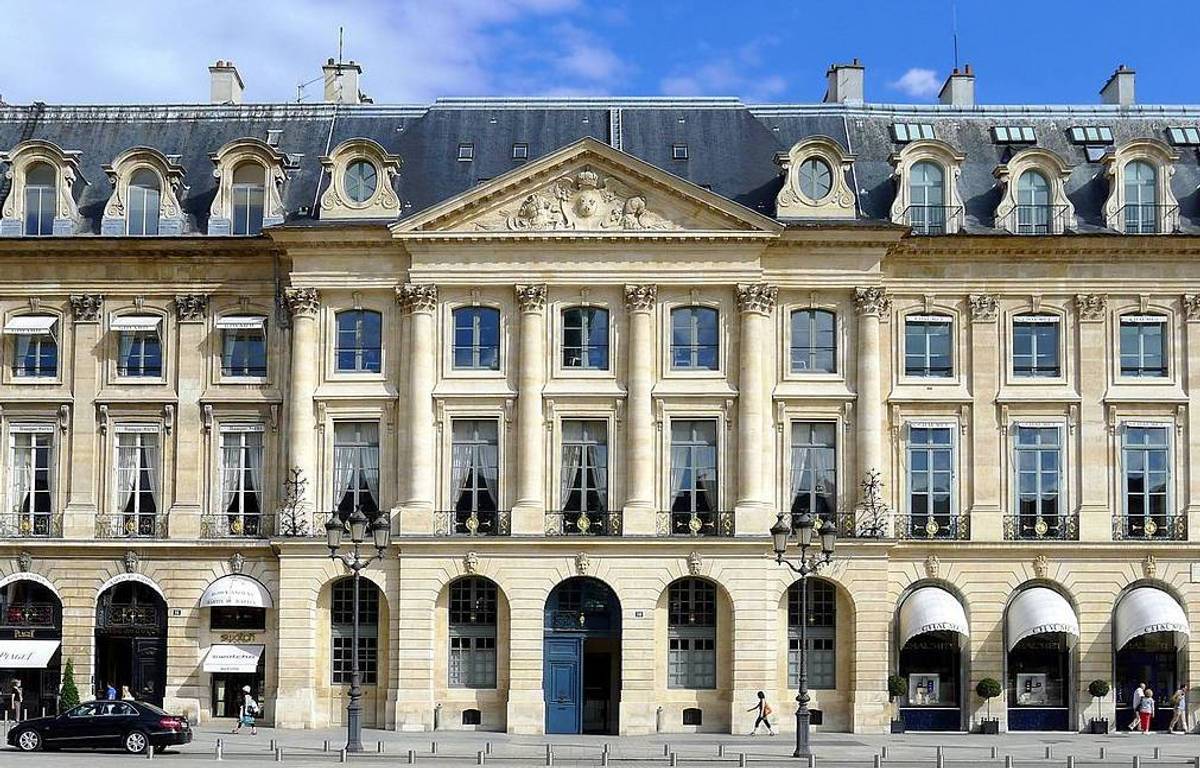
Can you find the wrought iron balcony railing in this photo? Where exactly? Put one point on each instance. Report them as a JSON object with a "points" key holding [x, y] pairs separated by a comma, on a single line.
{"points": [[1037, 220], [933, 526], [118, 525], [457, 522], [853, 524], [31, 525], [1041, 528], [933, 219], [695, 523], [568, 522], [220, 525], [1147, 219], [1150, 527], [127, 617], [28, 615]]}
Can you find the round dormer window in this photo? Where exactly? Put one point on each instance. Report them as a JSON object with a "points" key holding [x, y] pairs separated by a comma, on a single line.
{"points": [[360, 180], [816, 179]]}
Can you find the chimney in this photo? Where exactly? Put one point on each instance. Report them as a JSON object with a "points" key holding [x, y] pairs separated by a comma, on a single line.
{"points": [[844, 83], [959, 88], [341, 82], [1119, 88], [227, 85]]}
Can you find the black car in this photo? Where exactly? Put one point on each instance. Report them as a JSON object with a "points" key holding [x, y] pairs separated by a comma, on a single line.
{"points": [[130, 725]]}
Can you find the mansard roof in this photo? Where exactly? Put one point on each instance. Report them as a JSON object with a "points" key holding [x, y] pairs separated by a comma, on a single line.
{"points": [[731, 147]]}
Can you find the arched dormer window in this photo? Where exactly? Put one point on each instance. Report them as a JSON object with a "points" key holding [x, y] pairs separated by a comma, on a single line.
{"points": [[361, 173], [815, 186], [250, 177], [1034, 199], [145, 197], [927, 197], [41, 199], [1140, 200]]}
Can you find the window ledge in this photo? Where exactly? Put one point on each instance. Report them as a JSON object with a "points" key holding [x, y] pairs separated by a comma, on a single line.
{"points": [[584, 387], [1168, 392], [830, 389], [950, 392], [1054, 394]]}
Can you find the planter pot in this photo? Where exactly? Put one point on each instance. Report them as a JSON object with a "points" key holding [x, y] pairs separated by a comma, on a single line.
{"points": [[897, 726], [1098, 727], [989, 727]]}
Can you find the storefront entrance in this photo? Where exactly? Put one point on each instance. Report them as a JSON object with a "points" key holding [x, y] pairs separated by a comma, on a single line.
{"points": [[1151, 659], [932, 627], [131, 641], [582, 665], [1040, 632], [30, 657], [227, 688]]}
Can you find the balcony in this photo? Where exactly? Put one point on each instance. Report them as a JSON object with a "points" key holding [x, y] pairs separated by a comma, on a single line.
{"points": [[28, 616], [1037, 220], [583, 523], [1039, 528], [31, 525], [130, 526], [933, 219], [218, 525], [852, 524], [1147, 219], [1150, 527], [948, 527], [694, 524], [471, 522]]}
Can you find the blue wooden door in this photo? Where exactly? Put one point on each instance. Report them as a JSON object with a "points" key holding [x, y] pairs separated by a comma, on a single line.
{"points": [[562, 684]]}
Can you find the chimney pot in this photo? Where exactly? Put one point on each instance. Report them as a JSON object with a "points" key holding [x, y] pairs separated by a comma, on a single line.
{"points": [[341, 82], [1118, 89], [844, 83], [225, 84], [959, 88]]}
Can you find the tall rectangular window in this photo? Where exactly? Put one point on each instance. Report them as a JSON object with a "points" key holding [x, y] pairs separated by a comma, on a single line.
{"points": [[356, 467], [243, 346], [1039, 474], [475, 476], [814, 469], [585, 338], [35, 348], [694, 338], [930, 478], [30, 479], [137, 481], [822, 623], [1035, 347], [342, 631], [1146, 458], [472, 620], [477, 338], [814, 343], [584, 477], [242, 479], [693, 466], [359, 341], [927, 346], [691, 634], [139, 346], [1144, 346]]}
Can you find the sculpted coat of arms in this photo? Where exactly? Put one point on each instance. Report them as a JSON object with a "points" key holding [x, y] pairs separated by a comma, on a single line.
{"points": [[584, 201]]}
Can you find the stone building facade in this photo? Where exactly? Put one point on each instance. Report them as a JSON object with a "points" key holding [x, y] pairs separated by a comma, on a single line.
{"points": [[581, 354]]}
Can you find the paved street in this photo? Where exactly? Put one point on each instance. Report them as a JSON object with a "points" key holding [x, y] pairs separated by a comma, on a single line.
{"points": [[306, 748]]}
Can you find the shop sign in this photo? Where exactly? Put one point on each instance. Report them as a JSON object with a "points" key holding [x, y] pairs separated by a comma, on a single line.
{"points": [[238, 637]]}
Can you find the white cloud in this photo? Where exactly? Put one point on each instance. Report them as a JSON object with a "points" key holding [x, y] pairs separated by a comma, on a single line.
{"points": [[738, 74], [918, 83]]}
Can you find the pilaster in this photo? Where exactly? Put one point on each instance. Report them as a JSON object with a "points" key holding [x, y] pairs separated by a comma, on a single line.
{"points": [[639, 513], [528, 513], [303, 305], [1191, 382], [870, 304], [1095, 510], [419, 303], [84, 440], [191, 311], [987, 520]]}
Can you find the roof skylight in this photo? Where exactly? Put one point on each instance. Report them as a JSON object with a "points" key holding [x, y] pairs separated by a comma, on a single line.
{"points": [[912, 131], [1091, 134], [1014, 134], [1186, 136]]}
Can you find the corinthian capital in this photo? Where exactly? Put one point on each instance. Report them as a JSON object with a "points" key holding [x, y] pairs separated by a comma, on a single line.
{"points": [[302, 302], [416, 297], [640, 298], [191, 307], [756, 297], [531, 298], [871, 301], [85, 307], [1091, 306], [984, 307]]}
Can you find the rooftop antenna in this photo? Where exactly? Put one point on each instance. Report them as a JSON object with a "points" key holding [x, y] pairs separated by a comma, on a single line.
{"points": [[954, 29], [340, 40]]}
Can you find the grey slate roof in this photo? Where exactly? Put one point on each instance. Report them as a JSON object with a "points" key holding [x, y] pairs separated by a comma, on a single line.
{"points": [[731, 146]]}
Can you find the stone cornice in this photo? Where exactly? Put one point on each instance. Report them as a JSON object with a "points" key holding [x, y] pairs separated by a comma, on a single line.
{"points": [[110, 248], [1077, 247]]}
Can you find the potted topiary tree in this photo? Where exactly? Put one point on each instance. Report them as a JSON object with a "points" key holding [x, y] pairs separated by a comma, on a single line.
{"points": [[1099, 689], [897, 687], [68, 697], [988, 689]]}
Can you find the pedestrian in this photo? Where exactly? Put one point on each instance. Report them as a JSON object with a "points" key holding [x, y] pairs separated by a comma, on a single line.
{"points": [[110, 692], [1179, 710], [1135, 703], [247, 712], [764, 711], [1146, 710]]}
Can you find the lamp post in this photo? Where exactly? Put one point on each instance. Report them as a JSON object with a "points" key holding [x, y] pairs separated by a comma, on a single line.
{"points": [[381, 536], [781, 532]]}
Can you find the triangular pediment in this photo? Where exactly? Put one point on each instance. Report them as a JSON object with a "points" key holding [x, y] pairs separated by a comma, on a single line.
{"points": [[587, 188]]}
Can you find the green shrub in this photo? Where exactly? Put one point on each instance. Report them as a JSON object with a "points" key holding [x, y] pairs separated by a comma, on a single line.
{"points": [[989, 688], [897, 686], [1099, 688], [68, 697]]}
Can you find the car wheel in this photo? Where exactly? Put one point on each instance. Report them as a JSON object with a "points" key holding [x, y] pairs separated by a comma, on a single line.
{"points": [[29, 740], [136, 742]]}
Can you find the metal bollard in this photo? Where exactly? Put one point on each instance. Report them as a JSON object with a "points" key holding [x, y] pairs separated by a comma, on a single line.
{"points": [[342, 755], [666, 750], [1196, 762], [479, 758], [1049, 752], [1157, 753], [673, 760], [883, 752], [433, 747], [1102, 752], [1137, 761], [379, 747], [604, 760], [279, 754], [549, 755], [412, 757], [812, 761], [741, 760], [487, 747], [149, 751], [720, 750], [941, 759], [272, 747], [1070, 761], [995, 752], [878, 763], [1008, 761], [217, 753], [326, 747]]}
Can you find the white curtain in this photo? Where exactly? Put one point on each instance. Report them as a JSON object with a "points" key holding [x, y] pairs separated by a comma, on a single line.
{"points": [[127, 470], [343, 471], [799, 464], [150, 459], [22, 473], [571, 461], [821, 461], [488, 458], [679, 467], [598, 461], [230, 472], [369, 456], [460, 465], [254, 459]]}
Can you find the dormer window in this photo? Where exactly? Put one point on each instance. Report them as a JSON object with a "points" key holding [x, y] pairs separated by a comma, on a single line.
{"points": [[1037, 203], [40, 190], [248, 193], [144, 201], [360, 182], [816, 180], [1140, 200], [1033, 204], [251, 176], [679, 151], [927, 198], [815, 187], [466, 152], [520, 151]]}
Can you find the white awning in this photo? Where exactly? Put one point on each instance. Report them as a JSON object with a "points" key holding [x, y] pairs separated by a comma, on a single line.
{"points": [[1040, 611], [30, 325], [930, 609], [1145, 610], [238, 322], [237, 591], [135, 322], [232, 658], [26, 654]]}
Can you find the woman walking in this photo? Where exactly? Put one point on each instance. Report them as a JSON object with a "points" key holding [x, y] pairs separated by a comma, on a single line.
{"points": [[1179, 710], [1146, 710], [764, 711], [247, 712]]}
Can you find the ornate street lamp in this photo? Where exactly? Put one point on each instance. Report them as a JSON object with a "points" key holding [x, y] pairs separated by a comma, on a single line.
{"points": [[381, 536], [808, 565]]}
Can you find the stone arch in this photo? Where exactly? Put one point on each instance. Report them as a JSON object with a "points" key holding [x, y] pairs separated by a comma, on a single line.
{"points": [[330, 695], [490, 702]]}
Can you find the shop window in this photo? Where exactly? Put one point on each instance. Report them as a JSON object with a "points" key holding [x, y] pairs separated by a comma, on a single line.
{"points": [[472, 633], [232, 618], [692, 634], [342, 627], [359, 341]]}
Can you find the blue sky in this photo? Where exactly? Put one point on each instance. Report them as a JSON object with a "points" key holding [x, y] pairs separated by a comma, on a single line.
{"points": [[1050, 51]]}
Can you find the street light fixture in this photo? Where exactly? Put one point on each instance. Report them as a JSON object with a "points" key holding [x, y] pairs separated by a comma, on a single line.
{"points": [[781, 532], [381, 536]]}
